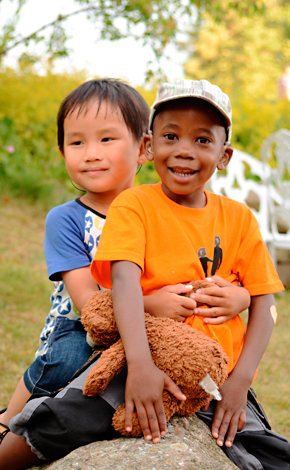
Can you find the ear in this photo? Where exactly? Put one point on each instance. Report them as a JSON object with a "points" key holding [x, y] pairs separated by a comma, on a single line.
{"points": [[141, 158], [61, 151], [225, 158], [148, 146]]}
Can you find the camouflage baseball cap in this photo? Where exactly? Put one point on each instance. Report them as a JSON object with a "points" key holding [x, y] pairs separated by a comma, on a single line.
{"points": [[202, 89]]}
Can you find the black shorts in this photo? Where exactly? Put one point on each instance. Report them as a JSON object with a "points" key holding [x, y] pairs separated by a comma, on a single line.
{"points": [[55, 425]]}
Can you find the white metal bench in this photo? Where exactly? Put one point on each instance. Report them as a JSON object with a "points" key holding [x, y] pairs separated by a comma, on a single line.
{"points": [[276, 150], [261, 186]]}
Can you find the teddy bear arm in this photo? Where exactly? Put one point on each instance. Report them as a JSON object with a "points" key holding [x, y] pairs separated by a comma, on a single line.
{"points": [[110, 364]]}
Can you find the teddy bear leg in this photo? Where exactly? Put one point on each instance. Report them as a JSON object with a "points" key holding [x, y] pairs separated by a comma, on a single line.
{"points": [[110, 363]]}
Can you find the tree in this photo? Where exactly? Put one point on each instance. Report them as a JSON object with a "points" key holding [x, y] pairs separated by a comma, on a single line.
{"points": [[242, 53], [245, 54], [156, 22]]}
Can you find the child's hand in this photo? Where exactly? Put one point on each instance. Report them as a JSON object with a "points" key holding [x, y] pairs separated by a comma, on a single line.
{"points": [[230, 413], [167, 302], [226, 300], [144, 387]]}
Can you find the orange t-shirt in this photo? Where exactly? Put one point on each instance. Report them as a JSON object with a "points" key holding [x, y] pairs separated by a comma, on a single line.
{"points": [[175, 244]]}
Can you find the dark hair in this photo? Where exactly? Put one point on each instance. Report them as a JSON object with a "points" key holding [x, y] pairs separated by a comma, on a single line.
{"points": [[134, 109]]}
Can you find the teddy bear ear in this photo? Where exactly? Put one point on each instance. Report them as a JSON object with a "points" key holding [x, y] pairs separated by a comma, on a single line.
{"points": [[98, 319]]}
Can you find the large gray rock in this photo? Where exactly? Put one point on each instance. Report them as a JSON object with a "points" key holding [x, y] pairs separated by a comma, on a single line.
{"points": [[188, 445]]}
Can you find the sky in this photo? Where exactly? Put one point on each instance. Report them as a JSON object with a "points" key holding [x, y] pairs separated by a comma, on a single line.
{"points": [[125, 59]]}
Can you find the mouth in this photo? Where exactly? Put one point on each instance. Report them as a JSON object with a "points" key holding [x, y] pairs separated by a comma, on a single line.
{"points": [[182, 172], [94, 170]]}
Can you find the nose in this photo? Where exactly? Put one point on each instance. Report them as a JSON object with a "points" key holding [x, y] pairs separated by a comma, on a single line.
{"points": [[185, 150], [93, 153]]}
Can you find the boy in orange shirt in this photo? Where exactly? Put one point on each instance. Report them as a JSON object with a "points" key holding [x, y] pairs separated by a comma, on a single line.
{"points": [[175, 231]]}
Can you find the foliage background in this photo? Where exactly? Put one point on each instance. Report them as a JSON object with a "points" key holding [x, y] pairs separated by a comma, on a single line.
{"points": [[241, 46], [34, 169], [245, 54]]}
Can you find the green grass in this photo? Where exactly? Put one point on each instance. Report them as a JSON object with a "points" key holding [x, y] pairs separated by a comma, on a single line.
{"points": [[273, 381], [24, 304], [25, 290]]}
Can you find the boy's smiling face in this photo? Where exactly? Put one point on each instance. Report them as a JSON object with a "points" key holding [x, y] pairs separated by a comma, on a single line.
{"points": [[101, 153], [188, 144]]}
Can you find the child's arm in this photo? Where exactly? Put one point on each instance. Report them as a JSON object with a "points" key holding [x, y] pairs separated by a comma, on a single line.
{"points": [[80, 285], [145, 382], [226, 300], [230, 414]]}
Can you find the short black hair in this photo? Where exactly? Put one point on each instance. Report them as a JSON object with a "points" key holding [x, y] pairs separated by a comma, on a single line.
{"points": [[133, 107]]}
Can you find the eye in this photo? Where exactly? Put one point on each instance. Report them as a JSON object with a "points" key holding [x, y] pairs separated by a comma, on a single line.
{"points": [[77, 142], [170, 136], [203, 140], [107, 139]]}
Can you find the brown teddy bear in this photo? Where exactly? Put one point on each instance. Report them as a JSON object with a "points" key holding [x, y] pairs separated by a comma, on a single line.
{"points": [[185, 354]]}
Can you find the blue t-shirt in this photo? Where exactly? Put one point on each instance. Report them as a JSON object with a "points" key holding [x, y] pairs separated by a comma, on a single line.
{"points": [[72, 233]]}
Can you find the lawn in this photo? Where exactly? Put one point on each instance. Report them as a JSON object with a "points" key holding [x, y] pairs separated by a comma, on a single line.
{"points": [[24, 288], [24, 303]]}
